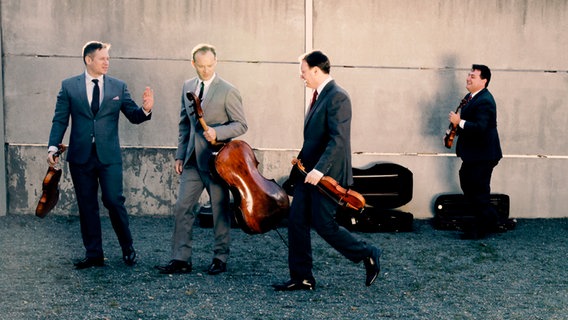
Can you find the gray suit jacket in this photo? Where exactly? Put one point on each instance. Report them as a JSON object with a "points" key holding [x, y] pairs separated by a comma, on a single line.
{"points": [[222, 110], [327, 135], [72, 102]]}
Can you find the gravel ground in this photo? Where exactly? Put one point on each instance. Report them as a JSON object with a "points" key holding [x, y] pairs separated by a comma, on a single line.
{"points": [[426, 274]]}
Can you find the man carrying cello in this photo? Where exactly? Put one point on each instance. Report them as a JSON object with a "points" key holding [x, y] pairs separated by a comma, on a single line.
{"points": [[225, 120], [326, 151]]}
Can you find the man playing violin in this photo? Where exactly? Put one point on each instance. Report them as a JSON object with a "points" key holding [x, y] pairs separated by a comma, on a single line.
{"points": [[326, 151], [480, 150]]}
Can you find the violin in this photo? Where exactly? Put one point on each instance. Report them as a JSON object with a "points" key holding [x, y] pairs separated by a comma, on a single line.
{"points": [[327, 185], [452, 129], [50, 187]]}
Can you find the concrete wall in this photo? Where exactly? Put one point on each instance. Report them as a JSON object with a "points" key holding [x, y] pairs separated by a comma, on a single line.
{"points": [[404, 63]]}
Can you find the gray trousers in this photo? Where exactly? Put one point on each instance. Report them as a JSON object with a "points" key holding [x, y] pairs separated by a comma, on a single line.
{"points": [[192, 184]]}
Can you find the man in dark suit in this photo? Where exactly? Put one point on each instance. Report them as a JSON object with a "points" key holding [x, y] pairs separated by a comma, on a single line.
{"points": [[225, 118], [93, 102], [480, 150], [326, 151]]}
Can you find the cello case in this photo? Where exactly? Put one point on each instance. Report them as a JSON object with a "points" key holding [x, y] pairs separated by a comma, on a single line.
{"points": [[260, 203], [451, 212], [385, 186]]}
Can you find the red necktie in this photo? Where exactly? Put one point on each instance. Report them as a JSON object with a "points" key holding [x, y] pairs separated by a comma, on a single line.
{"points": [[314, 97]]}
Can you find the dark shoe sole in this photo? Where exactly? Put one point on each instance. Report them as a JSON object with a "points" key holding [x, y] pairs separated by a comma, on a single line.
{"points": [[294, 286], [80, 265]]}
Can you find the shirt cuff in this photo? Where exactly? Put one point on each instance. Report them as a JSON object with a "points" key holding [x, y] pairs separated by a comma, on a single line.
{"points": [[462, 123], [52, 149], [318, 173]]}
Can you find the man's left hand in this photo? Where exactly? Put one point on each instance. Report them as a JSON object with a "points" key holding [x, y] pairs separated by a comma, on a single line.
{"points": [[313, 177], [454, 118]]}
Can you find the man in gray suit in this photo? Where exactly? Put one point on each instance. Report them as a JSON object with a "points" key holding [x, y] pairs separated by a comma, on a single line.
{"points": [[326, 151], [93, 101], [224, 115]]}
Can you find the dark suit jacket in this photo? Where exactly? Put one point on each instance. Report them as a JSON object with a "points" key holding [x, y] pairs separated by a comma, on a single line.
{"points": [[222, 110], [72, 102], [327, 135], [479, 140]]}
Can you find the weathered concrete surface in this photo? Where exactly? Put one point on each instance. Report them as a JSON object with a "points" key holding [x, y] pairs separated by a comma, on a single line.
{"points": [[403, 62]]}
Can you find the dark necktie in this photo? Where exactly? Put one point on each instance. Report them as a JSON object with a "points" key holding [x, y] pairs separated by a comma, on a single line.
{"points": [[96, 96], [201, 87], [314, 97]]}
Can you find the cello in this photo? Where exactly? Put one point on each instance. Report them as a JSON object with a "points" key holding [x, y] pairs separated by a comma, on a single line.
{"points": [[261, 203], [347, 198], [50, 187]]}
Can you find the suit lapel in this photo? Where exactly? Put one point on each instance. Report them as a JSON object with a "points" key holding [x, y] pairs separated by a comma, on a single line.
{"points": [[321, 97], [106, 92], [82, 90], [210, 92], [189, 107], [473, 100]]}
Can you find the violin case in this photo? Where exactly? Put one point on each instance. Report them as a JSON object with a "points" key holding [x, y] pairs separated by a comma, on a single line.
{"points": [[385, 187], [451, 212], [375, 220], [205, 216]]}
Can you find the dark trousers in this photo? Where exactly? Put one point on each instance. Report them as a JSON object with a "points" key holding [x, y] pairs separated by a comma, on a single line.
{"points": [[475, 180], [310, 208], [86, 180]]}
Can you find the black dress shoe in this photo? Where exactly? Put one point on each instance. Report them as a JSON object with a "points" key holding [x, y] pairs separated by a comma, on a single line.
{"points": [[292, 285], [475, 231], [175, 266], [89, 262], [129, 256], [216, 267], [473, 235], [372, 266]]}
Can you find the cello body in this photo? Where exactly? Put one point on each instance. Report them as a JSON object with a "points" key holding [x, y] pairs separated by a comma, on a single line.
{"points": [[261, 203]]}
